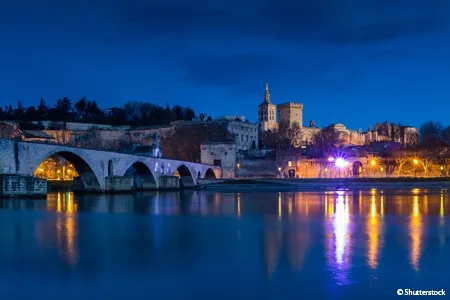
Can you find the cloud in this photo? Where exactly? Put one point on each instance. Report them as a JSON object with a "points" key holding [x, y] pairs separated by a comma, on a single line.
{"points": [[326, 21]]}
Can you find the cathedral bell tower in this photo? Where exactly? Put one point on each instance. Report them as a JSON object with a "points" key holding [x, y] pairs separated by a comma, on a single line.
{"points": [[267, 112]]}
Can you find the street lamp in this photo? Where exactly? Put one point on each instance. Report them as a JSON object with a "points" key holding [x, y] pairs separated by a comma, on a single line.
{"points": [[340, 163]]}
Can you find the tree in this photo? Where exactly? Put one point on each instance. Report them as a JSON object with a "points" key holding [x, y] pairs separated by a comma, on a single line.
{"points": [[42, 110], [425, 159], [445, 135], [325, 141], [19, 111], [178, 112], [189, 114], [176, 145], [116, 116], [275, 139], [443, 159], [295, 134], [430, 134], [401, 158], [63, 110], [93, 112], [80, 108], [30, 114], [132, 113]]}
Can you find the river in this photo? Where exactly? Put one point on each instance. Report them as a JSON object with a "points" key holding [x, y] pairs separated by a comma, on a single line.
{"points": [[222, 245]]}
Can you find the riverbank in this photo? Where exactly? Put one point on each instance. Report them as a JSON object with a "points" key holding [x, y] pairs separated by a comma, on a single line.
{"points": [[329, 183]]}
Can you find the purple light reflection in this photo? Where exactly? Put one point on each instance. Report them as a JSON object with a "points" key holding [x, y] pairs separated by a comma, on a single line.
{"points": [[340, 226]]}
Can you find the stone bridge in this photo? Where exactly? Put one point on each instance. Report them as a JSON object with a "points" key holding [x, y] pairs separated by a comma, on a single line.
{"points": [[98, 170]]}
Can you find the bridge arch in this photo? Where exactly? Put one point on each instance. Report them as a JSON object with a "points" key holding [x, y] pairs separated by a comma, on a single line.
{"points": [[185, 174], [87, 179], [209, 174], [143, 177]]}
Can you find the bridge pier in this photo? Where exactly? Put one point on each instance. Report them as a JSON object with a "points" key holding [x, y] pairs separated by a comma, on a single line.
{"points": [[119, 184], [145, 182], [169, 182], [12, 185]]}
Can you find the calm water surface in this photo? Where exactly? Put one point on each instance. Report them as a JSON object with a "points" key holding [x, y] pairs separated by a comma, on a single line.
{"points": [[208, 245]]}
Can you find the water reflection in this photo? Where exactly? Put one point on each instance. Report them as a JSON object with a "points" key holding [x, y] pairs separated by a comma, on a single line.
{"points": [[338, 235], [331, 229], [374, 231], [415, 232]]}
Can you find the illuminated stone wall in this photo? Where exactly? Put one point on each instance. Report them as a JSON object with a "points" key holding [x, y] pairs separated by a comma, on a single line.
{"points": [[223, 153]]}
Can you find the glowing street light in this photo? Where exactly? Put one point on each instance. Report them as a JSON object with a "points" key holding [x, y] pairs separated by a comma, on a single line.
{"points": [[330, 159], [415, 161], [340, 163], [373, 162], [279, 169], [289, 163]]}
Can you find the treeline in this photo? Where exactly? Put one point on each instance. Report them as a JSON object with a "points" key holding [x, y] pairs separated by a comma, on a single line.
{"points": [[88, 111], [434, 134]]}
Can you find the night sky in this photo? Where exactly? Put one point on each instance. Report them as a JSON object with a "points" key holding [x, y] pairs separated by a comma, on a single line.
{"points": [[350, 61]]}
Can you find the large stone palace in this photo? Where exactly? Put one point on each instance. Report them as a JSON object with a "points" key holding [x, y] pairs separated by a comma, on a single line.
{"points": [[285, 115]]}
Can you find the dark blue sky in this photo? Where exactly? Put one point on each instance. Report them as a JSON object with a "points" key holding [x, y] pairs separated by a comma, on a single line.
{"points": [[349, 61]]}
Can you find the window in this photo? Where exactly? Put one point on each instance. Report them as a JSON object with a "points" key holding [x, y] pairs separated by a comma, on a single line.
{"points": [[212, 153], [226, 153], [217, 162]]}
